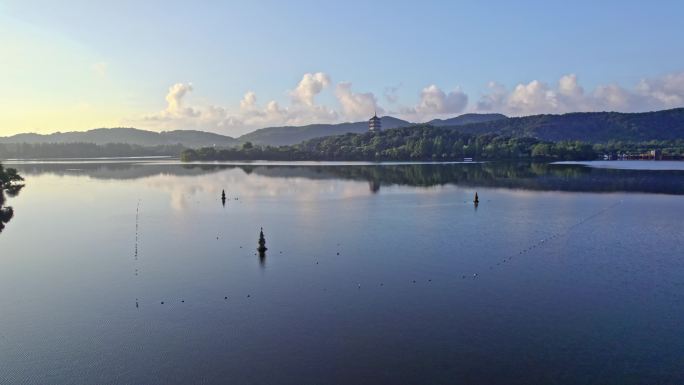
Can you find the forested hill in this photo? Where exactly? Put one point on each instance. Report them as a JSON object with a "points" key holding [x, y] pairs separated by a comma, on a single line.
{"points": [[466, 119], [591, 127], [286, 135], [620, 131], [419, 142], [425, 142], [272, 136], [132, 136]]}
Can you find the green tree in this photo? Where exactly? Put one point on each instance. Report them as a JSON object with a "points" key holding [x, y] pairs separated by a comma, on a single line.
{"points": [[9, 177]]}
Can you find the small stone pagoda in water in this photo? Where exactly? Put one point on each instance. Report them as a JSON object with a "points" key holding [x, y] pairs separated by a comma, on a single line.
{"points": [[262, 242]]}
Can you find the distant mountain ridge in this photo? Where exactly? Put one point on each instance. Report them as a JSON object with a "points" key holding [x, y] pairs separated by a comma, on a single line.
{"points": [[279, 136], [272, 136], [101, 136], [590, 127], [286, 135], [466, 119]]}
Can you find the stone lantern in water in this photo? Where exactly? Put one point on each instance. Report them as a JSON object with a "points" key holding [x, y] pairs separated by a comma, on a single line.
{"points": [[262, 242]]}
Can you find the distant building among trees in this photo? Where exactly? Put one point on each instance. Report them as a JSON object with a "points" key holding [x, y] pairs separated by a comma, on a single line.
{"points": [[374, 124]]}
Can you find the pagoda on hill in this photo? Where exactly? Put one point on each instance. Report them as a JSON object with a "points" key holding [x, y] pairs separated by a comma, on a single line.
{"points": [[374, 124]]}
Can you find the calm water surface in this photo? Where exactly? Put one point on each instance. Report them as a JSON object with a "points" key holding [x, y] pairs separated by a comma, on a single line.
{"points": [[374, 274]]}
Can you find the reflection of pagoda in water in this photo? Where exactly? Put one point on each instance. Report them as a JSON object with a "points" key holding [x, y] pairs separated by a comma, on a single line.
{"points": [[374, 124], [374, 186]]}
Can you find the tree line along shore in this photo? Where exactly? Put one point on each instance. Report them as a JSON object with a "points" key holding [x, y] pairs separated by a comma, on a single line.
{"points": [[427, 143], [414, 143]]}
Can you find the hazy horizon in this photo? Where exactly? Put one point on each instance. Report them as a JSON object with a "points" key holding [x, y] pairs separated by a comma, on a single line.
{"points": [[211, 131]]}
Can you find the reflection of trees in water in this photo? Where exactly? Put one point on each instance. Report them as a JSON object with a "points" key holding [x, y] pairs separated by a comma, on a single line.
{"points": [[114, 170], [520, 175], [526, 176], [6, 212], [10, 183]]}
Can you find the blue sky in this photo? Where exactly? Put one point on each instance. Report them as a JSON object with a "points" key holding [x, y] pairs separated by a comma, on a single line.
{"points": [[231, 67]]}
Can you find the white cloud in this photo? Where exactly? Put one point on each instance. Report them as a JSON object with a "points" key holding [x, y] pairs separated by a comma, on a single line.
{"points": [[356, 106], [174, 100], [248, 102], [568, 86], [534, 97], [248, 116], [612, 97], [668, 90], [571, 95], [434, 103], [568, 95], [310, 86], [494, 99], [175, 114]]}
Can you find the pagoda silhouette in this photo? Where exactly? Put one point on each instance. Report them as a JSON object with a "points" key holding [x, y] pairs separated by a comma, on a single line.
{"points": [[262, 242]]}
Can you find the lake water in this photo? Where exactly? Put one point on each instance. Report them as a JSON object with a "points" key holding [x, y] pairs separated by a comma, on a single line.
{"points": [[134, 272]]}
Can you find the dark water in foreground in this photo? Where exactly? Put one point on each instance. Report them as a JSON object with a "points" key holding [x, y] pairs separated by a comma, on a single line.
{"points": [[564, 274]]}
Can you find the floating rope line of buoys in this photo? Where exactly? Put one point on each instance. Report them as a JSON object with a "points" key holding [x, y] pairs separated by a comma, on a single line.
{"points": [[472, 275], [137, 227], [544, 241], [538, 244], [135, 249]]}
